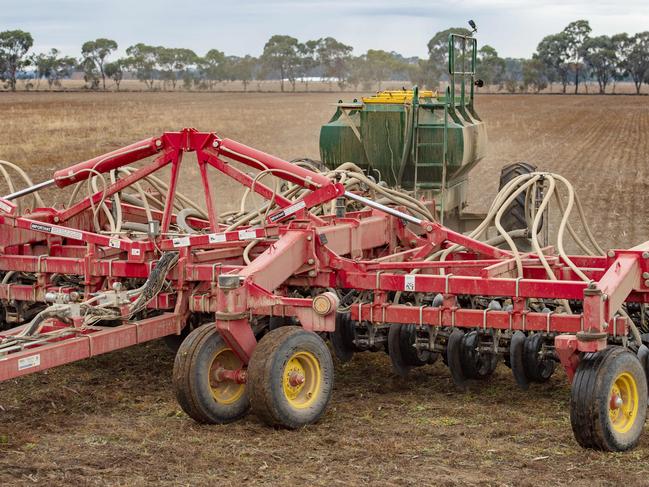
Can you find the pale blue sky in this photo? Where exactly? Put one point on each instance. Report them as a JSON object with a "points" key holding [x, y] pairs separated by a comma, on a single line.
{"points": [[514, 28]]}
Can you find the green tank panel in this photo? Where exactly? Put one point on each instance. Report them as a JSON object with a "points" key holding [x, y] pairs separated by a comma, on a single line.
{"points": [[374, 135], [418, 140]]}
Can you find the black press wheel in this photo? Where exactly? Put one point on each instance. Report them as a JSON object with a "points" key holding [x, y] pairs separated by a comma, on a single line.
{"points": [[342, 338], [476, 364], [290, 377], [537, 368], [203, 378], [608, 402]]}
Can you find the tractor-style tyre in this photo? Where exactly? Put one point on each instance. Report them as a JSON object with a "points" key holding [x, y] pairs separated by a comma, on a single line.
{"points": [[200, 392], [608, 401], [514, 216], [290, 377]]}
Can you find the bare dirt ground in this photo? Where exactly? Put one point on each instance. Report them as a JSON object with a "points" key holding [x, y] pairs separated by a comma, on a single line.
{"points": [[113, 420]]}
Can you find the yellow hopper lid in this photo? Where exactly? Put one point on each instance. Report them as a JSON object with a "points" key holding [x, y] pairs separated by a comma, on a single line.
{"points": [[397, 96]]}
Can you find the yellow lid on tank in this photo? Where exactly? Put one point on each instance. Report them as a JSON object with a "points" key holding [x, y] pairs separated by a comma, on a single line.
{"points": [[397, 96]]}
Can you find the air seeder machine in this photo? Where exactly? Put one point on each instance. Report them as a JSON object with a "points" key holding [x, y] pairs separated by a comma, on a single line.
{"points": [[371, 250]]}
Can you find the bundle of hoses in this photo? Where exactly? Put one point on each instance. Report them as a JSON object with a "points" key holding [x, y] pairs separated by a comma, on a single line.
{"points": [[101, 307]]}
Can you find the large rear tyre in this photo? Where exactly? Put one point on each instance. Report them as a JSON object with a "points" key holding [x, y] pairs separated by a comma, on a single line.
{"points": [[514, 217], [608, 403], [201, 389], [290, 377]]}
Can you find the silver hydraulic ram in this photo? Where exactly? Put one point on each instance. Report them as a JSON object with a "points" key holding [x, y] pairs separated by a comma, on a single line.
{"points": [[386, 209], [30, 190]]}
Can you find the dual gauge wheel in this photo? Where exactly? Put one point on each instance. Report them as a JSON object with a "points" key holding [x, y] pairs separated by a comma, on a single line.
{"points": [[288, 381]]}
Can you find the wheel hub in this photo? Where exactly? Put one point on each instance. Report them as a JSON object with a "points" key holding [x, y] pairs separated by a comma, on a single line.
{"points": [[623, 403]]}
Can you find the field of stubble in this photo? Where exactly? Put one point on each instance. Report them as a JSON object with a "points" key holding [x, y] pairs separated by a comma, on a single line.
{"points": [[113, 420]]}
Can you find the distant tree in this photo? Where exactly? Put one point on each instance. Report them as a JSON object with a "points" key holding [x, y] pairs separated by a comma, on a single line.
{"points": [[115, 71], [241, 69], [600, 56], [173, 63], [622, 45], [143, 60], [379, 65], [576, 34], [490, 67], [438, 49], [91, 74], [308, 61], [282, 54], [422, 74], [513, 77], [637, 61], [95, 52], [53, 67], [533, 71], [212, 67], [552, 52], [334, 57], [14, 45]]}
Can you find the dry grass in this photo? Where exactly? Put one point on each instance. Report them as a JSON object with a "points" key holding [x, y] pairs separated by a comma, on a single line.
{"points": [[113, 420]]}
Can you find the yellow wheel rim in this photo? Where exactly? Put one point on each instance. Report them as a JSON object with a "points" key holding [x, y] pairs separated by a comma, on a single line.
{"points": [[302, 379], [225, 391], [623, 403]]}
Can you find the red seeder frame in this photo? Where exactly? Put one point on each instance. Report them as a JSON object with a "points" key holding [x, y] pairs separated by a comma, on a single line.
{"points": [[365, 250]]}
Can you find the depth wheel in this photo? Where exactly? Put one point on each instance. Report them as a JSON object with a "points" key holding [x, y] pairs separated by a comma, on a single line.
{"points": [[476, 364], [608, 401], [290, 377], [342, 338], [202, 389], [537, 369]]}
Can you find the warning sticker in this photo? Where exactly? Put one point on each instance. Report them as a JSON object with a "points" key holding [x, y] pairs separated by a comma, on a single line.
{"points": [[181, 242], [247, 234], [288, 211], [114, 243], [29, 362], [409, 282], [5, 207], [62, 232], [216, 237]]}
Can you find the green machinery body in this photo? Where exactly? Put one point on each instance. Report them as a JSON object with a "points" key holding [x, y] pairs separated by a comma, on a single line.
{"points": [[417, 140]]}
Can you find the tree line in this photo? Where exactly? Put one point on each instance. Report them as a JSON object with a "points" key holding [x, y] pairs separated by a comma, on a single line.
{"points": [[567, 58]]}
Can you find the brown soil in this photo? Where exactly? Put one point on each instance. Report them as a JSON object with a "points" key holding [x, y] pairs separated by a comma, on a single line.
{"points": [[113, 420]]}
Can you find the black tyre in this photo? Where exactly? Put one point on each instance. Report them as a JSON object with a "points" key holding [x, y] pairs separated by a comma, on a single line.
{"points": [[608, 402], [537, 368], [400, 365], [476, 364], [174, 341], [454, 358], [342, 338], [200, 389], [290, 377], [514, 216]]}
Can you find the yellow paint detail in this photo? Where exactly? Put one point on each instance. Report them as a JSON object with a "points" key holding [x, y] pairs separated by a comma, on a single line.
{"points": [[302, 379], [397, 96], [225, 391], [623, 403]]}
